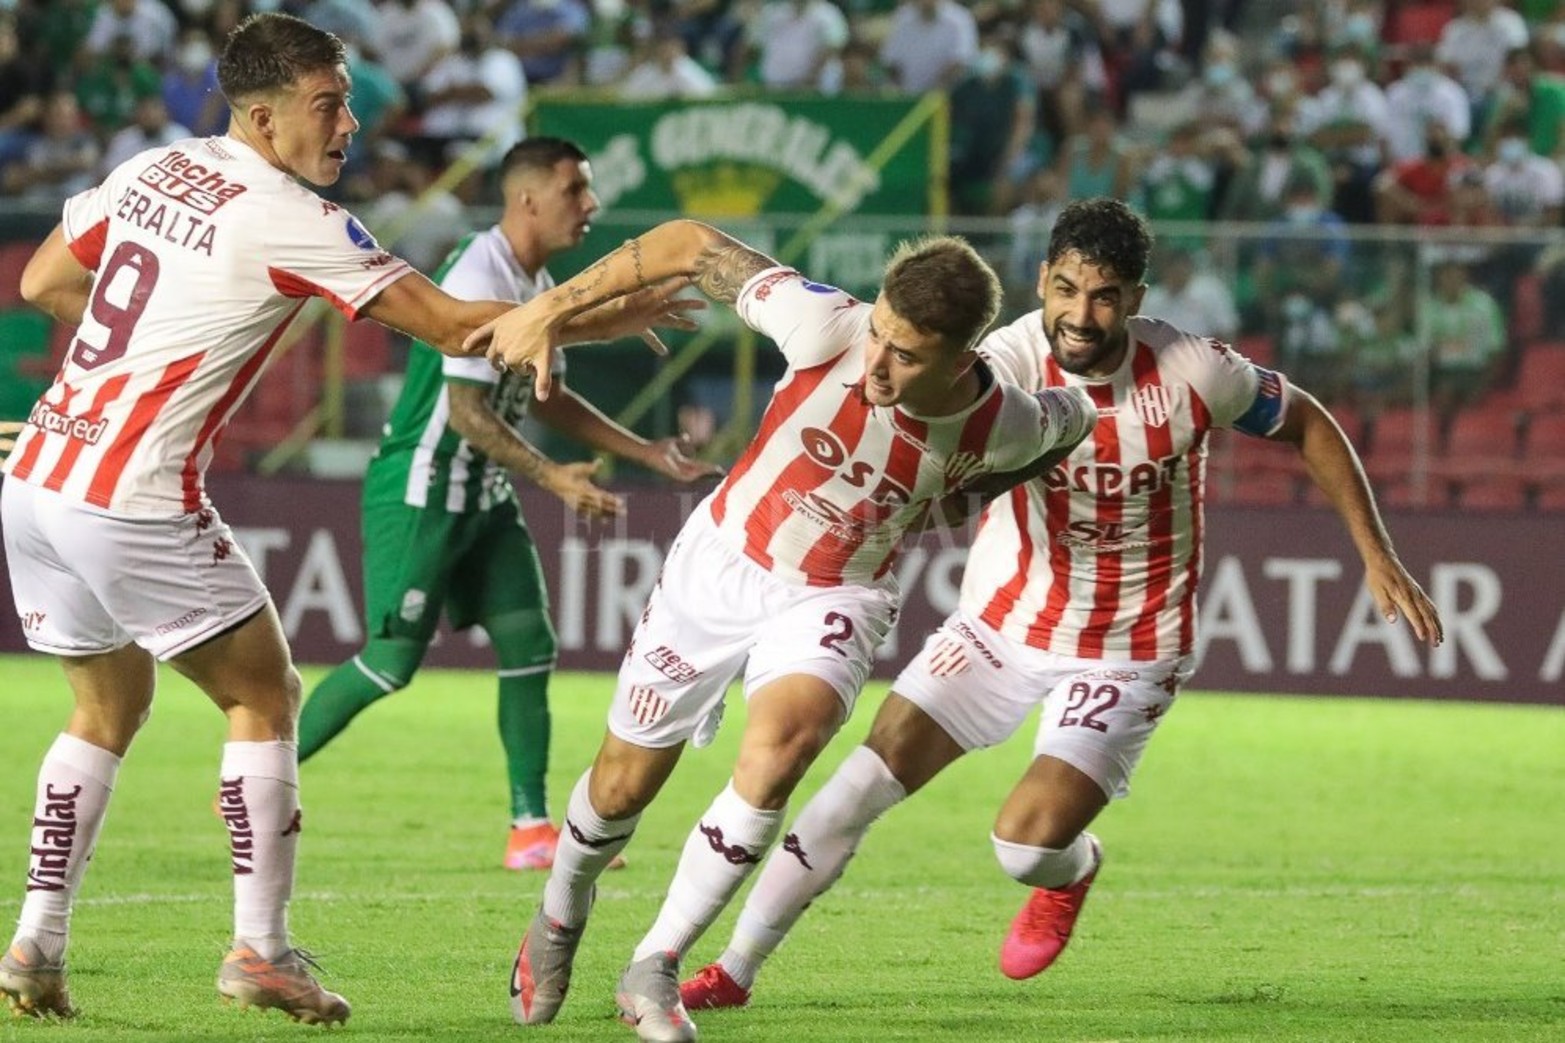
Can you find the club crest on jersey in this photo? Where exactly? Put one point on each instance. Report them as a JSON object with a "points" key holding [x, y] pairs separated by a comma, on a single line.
{"points": [[962, 466], [360, 236], [1153, 404], [412, 605]]}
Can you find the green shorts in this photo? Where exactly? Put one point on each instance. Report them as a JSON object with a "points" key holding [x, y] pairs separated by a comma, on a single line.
{"points": [[475, 567]]}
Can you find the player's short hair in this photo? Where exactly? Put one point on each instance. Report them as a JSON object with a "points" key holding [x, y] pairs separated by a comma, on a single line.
{"points": [[941, 285], [1108, 235], [269, 52], [538, 155]]}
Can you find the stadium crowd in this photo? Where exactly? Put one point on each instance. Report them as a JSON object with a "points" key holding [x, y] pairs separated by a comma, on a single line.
{"points": [[1310, 121]]}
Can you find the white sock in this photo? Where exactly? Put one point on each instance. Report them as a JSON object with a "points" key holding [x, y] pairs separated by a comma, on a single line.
{"points": [[811, 858], [588, 843], [259, 800], [1047, 867], [75, 783], [720, 854]]}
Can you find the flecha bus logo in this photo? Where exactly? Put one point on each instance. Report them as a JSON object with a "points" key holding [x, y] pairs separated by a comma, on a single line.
{"points": [[202, 188]]}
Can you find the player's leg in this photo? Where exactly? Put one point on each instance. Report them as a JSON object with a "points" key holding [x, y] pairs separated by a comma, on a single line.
{"points": [[500, 586], [112, 682], [1094, 728], [407, 552], [954, 701]]}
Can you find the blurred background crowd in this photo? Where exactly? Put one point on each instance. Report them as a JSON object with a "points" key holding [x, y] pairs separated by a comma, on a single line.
{"points": [[1367, 193]]}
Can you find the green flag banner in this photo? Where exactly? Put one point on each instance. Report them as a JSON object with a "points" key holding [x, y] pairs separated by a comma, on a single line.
{"points": [[733, 158]]}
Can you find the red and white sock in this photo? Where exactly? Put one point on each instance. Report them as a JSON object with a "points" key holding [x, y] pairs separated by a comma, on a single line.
{"points": [[258, 797], [75, 783]]}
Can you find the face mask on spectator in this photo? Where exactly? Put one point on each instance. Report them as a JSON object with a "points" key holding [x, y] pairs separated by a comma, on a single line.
{"points": [[1360, 28], [1302, 213], [1280, 83], [988, 62], [194, 56], [1219, 74], [1512, 151], [1421, 77], [1347, 73]]}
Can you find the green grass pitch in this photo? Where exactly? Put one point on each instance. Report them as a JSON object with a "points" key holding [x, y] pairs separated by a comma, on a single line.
{"points": [[1287, 870]]}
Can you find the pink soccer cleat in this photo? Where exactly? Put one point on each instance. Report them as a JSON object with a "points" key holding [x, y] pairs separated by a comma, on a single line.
{"points": [[1042, 929], [712, 989]]}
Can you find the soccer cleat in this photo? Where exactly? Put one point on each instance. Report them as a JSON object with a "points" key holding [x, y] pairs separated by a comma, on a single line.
{"points": [[284, 984], [532, 847], [648, 998], [31, 985], [712, 989], [542, 971], [1043, 926]]}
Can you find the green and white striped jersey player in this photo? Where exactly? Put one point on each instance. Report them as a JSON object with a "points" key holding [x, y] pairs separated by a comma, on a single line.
{"points": [[442, 530]]}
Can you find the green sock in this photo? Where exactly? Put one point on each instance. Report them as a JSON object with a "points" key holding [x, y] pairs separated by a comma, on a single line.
{"points": [[524, 731], [381, 667]]}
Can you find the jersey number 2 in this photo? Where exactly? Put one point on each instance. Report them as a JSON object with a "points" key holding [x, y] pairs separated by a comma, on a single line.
{"points": [[119, 319]]}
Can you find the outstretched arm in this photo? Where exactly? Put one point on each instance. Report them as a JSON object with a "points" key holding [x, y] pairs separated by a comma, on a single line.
{"points": [[423, 310], [578, 419], [55, 282], [1335, 468], [716, 263]]}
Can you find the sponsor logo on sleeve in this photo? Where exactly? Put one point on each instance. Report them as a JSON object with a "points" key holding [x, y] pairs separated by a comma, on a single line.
{"points": [[360, 236]]}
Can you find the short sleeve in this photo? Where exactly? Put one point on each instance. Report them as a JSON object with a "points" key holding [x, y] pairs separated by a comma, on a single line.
{"points": [[85, 224], [810, 322], [322, 250]]}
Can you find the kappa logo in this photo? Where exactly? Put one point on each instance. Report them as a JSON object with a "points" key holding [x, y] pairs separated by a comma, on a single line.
{"points": [[33, 620], [222, 549]]}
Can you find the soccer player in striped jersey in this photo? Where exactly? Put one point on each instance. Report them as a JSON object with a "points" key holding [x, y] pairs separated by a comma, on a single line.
{"points": [[442, 528], [785, 572], [181, 271], [1079, 594]]}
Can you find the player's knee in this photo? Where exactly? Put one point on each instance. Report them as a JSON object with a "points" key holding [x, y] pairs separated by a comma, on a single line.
{"points": [[1038, 866], [522, 638], [393, 660], [1040, 826]]}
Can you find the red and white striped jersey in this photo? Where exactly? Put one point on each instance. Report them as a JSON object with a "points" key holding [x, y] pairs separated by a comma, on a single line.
{"points": [[202, 252], [1102, 556], [830, 484]]}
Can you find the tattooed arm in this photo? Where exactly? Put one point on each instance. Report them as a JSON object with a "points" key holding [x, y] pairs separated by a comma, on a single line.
{"points": [[718, 265]]}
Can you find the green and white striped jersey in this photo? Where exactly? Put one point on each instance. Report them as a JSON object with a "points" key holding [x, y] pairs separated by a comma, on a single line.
{"points": [[422, 461]]}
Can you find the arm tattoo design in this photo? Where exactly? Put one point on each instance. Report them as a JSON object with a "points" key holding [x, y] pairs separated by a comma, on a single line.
{"points": [[722, 270], [635, 259]]}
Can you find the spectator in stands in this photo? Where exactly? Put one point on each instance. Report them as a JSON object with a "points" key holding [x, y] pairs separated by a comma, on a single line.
{"points": [[190, 91], [1142, 38], [1177, 184], [24, 83], [799, 44], [1420, 191], [1043, 196], [1281, 85], [1349, 122], [1379, 352], [545, 35], [62, 26], [992, 118], [112, 86], [61, 161], [1548, 40], [379, 101], [667, 72], [1065, 60], [1421, 96], [1526, 189], [861, 71], [1257, 188], [346, 19], [410, 36], [148, 24], [1537, 97], [1463, 330], [930, 45], [1298, 273], [151, 128], [1474, 45], [477, 91], [1221, 95], [398, 206], [1096, 162], [1354, 23], [713, 31], [1183, 295]]}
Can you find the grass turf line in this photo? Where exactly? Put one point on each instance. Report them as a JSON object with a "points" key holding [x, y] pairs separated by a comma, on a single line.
{"points": [[1287, 869]]}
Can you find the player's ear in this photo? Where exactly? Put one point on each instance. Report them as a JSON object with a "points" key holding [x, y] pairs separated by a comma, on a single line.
{"points": [[1135, 298], [1043, 276], [260, 117]]}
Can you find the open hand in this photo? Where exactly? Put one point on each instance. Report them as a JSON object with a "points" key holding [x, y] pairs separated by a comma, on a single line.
{"points": [[1398, 594], [573, 484], [670, 457]]}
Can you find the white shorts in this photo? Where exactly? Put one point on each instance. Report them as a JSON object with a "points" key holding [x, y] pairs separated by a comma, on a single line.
{"points": [[86, 582], [1098, 714], [713, 609]]}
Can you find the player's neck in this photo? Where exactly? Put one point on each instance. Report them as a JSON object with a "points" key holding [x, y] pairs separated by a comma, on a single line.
{"points": [[529, 252], [958, 397]]}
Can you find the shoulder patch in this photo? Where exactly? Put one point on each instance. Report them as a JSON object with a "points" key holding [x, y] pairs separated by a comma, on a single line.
{"points": [[360, 236]]}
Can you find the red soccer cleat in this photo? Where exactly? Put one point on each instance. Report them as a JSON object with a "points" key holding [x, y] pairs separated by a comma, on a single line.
{"points": [[711, 989], [1043, 927]]}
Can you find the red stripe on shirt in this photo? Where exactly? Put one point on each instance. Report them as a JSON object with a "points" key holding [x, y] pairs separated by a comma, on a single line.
{"points": [[87, 248], [1109, 565], [108, 391], [32, 445], [783, 405], [1056, 518], [1004, 599], [217, 418], [291, 285], [107, 478], [802, 475], [1160, 517], [824, 562]]}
